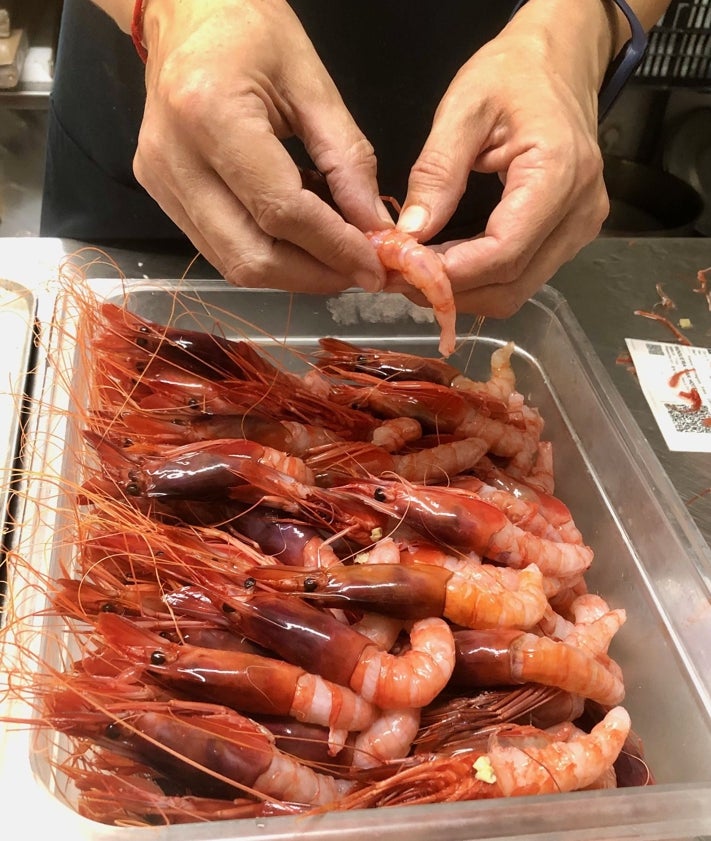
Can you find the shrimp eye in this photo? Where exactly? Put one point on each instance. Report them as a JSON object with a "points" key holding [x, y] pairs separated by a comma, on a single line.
{"points": [[127, 442], [140, 367], [141, 342], [310, 585], [227, 608], [158, 658], [113, 730], [380, 495], [107, 607], [178, 422], [250, 583], [192, 402], [132, 489], [361, 359]]}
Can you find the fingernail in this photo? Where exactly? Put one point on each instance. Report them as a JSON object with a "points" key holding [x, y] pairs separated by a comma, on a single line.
{"points": [[383, 213], [413, 219], [367, 281]]}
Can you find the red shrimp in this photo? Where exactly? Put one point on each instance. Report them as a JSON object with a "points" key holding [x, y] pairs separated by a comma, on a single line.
{"points": [[118, 798], [211, 750], [244, 681], [389, 737], [559, 766], [460, 520], [184, 427], [553, 509], [506, 657], [482, 596], [207, 470], [117, 331], [319, 643], [338, 357], [422, 268], [523, 511], [331, 464], [516, 761]]}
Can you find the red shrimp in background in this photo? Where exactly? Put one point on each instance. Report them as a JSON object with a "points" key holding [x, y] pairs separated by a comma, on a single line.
{"points": [[321, 644], [244, 681], [459, 520], [515, 761], [339, 357], [505, 657], [422, 268], [210, 750], [477, 596]]}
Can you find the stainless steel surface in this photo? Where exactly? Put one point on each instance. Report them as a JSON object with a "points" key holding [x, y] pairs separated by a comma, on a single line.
{"points": [[606, 472], [604, 285], [17, 313]]}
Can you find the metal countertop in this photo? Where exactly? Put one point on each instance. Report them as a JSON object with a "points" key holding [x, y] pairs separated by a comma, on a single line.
{"points": [[603, 285]]}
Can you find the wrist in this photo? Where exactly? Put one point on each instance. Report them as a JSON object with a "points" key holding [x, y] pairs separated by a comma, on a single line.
{"points": [[585, 34]]}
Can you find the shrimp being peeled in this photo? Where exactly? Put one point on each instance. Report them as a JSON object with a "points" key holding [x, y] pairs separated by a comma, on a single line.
{"points": [[422, 268]]}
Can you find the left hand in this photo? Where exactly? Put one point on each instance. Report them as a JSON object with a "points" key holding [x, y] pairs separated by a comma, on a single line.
{"points": [[524, 106]]}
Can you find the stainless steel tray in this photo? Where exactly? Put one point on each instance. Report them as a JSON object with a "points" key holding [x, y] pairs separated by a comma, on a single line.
{"points": [[17, 316], [650, 559]]}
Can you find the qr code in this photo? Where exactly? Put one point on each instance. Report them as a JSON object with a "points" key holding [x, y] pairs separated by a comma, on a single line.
{"points": [[654, 350], [686, 420]]}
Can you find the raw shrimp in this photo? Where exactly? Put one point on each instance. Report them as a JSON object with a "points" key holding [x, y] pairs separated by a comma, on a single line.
{"points": [[389, 737], [338, 357], [477, 596], [506, 657], [210, 749], [241, 680], [333, 462], [204, 470], [523, 511], [460, 520], [548, 506], [422, 268], [320, 643], [558, 766]]}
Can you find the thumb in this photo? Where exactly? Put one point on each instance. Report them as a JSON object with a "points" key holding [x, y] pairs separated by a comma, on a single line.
{"points": [[438, 178]]}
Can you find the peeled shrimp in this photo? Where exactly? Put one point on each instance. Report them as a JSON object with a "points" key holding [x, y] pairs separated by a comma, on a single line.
{"points": [[560, 765], [422, 268]]}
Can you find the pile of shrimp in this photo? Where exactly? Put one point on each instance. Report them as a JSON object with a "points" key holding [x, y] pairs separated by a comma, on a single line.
{"points": [[347, 588]]}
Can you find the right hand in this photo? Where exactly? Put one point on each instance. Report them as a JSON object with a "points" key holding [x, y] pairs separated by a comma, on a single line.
{"points": [[226, 81]]}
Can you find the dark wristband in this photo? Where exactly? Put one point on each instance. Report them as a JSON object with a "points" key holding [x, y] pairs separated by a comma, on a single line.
{"points": [[625, 62]]}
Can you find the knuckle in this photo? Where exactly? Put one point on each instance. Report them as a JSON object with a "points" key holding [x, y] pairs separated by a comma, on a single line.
{"points": [[275, 215], [431, 169], [248, 269], [187, 97]]}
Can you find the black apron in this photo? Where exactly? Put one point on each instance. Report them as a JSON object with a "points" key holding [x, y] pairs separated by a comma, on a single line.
{"points": [[391, 60]]}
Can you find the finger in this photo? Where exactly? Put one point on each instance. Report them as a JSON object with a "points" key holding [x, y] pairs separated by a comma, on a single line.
{"points": [[224, 232], [347, 160], [438, 178], [498, 300], [532, 207], [262, 175]]}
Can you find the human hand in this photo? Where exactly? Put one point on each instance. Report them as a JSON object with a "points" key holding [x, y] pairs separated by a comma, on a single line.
{"points": [[524, 106], [226, 81]]}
